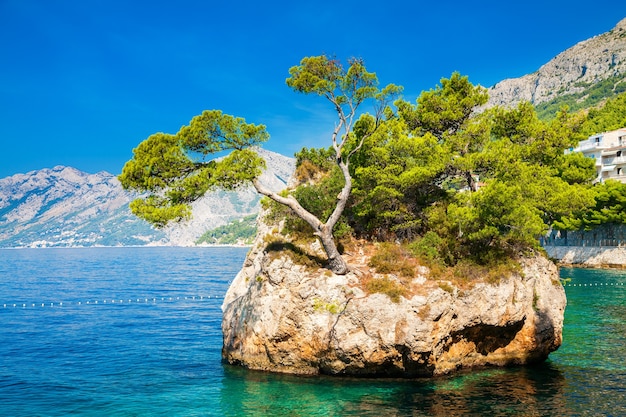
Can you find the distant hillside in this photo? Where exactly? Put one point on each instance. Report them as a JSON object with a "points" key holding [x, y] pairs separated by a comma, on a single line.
{"points": [[581, 77], [66, 207], [237, 232]]}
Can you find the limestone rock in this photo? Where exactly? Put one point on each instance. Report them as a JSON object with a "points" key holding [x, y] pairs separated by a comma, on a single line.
{"points": [[571, 71], [283, 317]]}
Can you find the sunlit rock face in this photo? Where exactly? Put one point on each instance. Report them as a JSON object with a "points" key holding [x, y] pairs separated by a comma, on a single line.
{"points": [[283, 317], [570, 72]]}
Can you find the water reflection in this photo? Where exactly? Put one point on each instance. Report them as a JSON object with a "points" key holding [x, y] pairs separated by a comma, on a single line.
{"points": [[532, 391], [585, 377]]}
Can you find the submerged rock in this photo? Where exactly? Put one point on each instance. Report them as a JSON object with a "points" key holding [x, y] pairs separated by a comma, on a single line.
{"points": [[284, 317]]}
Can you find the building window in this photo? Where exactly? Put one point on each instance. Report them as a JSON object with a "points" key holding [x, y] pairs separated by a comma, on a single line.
{"points": [[619, 171], [619, 153]]}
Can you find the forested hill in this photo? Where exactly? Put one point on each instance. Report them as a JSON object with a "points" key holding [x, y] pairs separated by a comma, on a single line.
{"points": [[581, 76]]}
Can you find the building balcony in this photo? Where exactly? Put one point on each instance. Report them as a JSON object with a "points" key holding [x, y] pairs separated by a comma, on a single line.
{"points": [[613, 160]]}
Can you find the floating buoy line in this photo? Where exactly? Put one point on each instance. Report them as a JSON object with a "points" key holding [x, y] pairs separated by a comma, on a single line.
{"points": [[596, 284], [112, 301], [155, 300]]}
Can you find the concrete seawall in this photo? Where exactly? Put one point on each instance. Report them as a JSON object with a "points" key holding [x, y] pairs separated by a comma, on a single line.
{"points": [[592, 257]]}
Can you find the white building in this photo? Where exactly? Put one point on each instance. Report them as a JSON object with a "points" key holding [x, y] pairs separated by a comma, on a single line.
{"points": [[609, 151]]}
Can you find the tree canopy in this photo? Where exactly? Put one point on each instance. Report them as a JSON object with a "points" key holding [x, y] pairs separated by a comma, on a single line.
{"points": [[177, 169], [486, 184], [458, 181]]}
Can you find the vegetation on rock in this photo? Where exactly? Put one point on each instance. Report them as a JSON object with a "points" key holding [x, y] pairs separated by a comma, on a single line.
{"points": [[456, 185], [609, 197], [593, 94], [175, 170]]}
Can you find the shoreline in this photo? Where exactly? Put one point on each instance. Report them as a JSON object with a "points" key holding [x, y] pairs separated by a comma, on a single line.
{"points": [[596, 257], [126, 246]]}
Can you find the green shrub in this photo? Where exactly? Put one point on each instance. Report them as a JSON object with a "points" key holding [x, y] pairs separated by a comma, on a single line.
{"points": [[393, 259], [393, 289], [429, 248]]}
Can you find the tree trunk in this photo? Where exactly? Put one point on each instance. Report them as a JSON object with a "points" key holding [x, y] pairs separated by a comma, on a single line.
{"points": [[324, 232], [336, 263]]}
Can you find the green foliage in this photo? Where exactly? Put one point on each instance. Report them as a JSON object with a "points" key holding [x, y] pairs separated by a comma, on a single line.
{"points": [[320, 199], [393, 259], [313, 164], [467, 186], [576, 168], [159, 211], [429, 248], [322, 158], [446, 108], [239, 231], [174, 171], [592, 95], [385, 285], [609, 117], [324, 76], [609, 207], [394, 179]]}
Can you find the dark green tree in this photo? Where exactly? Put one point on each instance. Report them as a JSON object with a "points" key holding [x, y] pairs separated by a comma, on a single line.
{"points": [[488, 184], [609, 207], [177, 169]]}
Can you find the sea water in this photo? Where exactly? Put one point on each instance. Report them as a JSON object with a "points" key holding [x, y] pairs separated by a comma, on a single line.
{"points": [[136, 332]]}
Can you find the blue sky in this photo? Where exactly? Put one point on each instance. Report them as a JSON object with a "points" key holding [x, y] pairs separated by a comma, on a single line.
{"points": [[82, 82]]}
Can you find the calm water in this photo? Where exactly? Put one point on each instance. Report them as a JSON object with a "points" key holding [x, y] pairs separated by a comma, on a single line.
{"points": [[138, 334]]}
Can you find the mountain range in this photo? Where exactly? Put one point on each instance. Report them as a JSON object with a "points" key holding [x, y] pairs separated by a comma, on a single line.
{"points": [[63, 207], [66, 207], [574, 73]]}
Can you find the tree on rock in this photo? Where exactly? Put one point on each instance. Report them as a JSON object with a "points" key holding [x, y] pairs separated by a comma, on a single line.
{"points": [[176, 170]]}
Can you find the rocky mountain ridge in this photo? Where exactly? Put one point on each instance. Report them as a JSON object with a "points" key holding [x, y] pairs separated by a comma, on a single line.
{"points": [[63, 206], [572, 71]]}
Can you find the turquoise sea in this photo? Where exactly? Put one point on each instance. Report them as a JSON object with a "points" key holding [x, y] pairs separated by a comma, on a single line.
{"points": [[136, 332]]}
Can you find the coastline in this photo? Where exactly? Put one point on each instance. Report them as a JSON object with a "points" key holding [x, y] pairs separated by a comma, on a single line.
{"points": [[128, 246], [600, 257]]}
